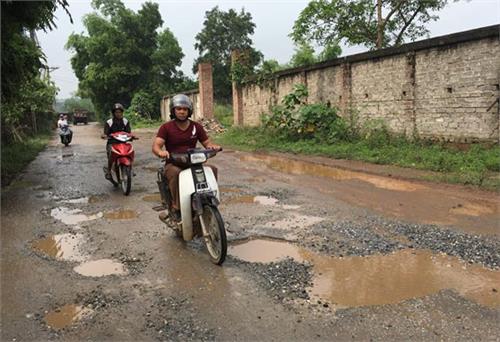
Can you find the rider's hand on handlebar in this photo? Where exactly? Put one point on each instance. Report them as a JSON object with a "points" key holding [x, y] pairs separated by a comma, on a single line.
{"points": [[213, 147], [164, 155]]}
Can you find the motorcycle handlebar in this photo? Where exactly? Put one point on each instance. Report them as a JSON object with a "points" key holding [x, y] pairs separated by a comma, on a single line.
{"points": [[183, 157]]}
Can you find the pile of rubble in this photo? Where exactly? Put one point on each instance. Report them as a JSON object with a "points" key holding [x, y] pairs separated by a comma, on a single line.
{"points": [[212, 126]]}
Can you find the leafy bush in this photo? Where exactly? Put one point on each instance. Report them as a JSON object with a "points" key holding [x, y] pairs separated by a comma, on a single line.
{"points": [[296, 119], [145, 105]]}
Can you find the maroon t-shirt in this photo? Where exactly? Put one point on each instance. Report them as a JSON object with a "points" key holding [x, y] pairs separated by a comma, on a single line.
{"points": [[179, 141]]}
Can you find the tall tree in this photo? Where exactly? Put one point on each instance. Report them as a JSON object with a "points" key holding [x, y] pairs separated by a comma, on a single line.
{"points": [[123, 54], [303, 56], [373, 23], [222, 33], [26, 87]]}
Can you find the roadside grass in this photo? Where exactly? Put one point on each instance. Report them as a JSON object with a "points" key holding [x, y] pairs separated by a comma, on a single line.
{"points": [[145, 123], [16, 156], [224, 114], [479, 165]]}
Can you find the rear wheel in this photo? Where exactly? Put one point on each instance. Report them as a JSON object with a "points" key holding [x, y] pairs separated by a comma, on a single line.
{"points": [[216, 240], [125, 178]]}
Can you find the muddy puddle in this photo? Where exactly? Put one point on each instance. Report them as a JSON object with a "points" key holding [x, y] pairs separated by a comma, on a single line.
{"points": [[121, 215], [473, 209], [297, 167], [72, 216], [152, 198], [83, 200], [61, 247], [380, 279], [100, 268], [65, 316], [262, 200]]}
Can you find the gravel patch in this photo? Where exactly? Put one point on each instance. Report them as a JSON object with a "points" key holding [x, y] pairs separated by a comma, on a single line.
{"points": [[377, 235], [284, 280], [174, 319], [135, 264], [471, 248], [347, 239]]}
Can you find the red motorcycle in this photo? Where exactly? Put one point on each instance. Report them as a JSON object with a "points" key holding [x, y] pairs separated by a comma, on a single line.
{"points": [[122, 155]]}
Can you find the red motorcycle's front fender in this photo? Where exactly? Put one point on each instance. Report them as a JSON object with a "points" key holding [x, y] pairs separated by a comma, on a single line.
{"points": [[124, 161]]}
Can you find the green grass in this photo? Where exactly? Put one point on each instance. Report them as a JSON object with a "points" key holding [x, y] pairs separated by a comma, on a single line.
{"points": [[224, 114], [479, 165], [145, 123], [16, 156]]}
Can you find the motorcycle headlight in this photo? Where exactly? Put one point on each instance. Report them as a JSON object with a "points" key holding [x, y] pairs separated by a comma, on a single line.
{"points": [[197, 158]]}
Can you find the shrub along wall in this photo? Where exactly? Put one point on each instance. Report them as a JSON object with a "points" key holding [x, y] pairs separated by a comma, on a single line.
{"points": [[444, 88]]}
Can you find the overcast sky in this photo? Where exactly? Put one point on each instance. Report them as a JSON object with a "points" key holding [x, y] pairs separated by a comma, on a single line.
{"points": [[273, 19]]}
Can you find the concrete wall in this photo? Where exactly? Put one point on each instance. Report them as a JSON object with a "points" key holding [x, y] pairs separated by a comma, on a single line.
{"points": [[441, 88], [202, 98], [194, 95]]}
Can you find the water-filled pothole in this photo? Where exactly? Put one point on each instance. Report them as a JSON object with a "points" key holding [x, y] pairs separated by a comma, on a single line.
{"points": [[100, 268], [72, 216], [380, 279], [298, 167], [66, 315], [83, 200], [262, 200], [121, 215], [62, 246], [152, 198]]}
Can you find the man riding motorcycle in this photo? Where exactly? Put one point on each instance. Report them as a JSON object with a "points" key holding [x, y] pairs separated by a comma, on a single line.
{"points": [[62, 125], [116, 124], [177, 136]]}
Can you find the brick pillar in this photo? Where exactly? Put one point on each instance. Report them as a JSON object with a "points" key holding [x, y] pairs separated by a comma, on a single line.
{"points": [[237, 96], [206, 90]]}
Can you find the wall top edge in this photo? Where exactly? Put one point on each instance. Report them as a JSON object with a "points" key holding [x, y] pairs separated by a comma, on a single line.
{"points": [[186, 92], [441, 41]]}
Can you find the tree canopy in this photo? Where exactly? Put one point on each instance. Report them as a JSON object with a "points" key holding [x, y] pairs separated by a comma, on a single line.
{"points": [[222, 33], [26, 86], [375, 24], [124, 53]]}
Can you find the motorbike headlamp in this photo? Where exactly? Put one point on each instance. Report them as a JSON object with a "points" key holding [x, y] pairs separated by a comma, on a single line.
{"points": [[197, 158]]}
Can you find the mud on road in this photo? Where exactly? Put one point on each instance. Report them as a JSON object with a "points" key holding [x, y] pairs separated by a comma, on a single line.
{"points": [[316, 252]]}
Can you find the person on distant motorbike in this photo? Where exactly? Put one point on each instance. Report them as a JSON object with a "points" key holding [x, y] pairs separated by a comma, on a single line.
{"points": [[116, 124], [62, 123], [177, 136]]}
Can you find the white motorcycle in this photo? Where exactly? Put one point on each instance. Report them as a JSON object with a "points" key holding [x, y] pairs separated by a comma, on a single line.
{"points": [[199, 197]]}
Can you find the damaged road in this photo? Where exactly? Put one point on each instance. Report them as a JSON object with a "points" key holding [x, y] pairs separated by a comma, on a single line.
{"points": [[316, 252]]}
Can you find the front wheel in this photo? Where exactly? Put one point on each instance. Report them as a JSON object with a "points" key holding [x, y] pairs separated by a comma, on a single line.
{"points": [[214, 234], [125, 178]]}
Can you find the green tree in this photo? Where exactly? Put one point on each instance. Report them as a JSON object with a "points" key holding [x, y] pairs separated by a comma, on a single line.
{"points": [[222, 33], [123, 54], [303, 56], [78, 103], [330, 51], [27, 91], [375, 24]]}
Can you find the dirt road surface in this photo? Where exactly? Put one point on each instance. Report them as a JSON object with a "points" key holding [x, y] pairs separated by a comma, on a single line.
{"points": [[316, 253]]}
